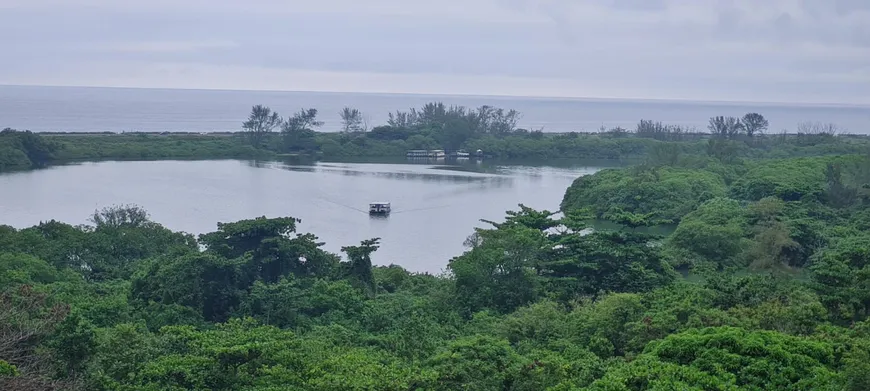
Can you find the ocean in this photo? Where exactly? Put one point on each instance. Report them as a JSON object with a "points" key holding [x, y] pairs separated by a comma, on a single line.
{"points": [[87, 109]]}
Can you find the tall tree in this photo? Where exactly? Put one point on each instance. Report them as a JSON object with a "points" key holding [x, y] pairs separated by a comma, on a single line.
{"points": [[298, 130], [725, 126], [754, 123], [361, 264], [838, 194], [261, 122], [118, 216], [352, 120]]}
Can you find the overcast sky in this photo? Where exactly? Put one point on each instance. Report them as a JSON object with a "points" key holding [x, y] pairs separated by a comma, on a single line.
{"points": [[736, 50]]}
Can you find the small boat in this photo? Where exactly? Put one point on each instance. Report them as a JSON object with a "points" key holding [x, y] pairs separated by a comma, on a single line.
{"points": [[379, 208]]}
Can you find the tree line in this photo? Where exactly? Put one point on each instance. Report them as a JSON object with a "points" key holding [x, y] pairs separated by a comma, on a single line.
{"points": [[439, 126], [451, 126], [435, 125]]}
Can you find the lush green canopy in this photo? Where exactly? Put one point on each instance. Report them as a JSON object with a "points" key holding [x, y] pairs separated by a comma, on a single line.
{"points": [[764, 285]]}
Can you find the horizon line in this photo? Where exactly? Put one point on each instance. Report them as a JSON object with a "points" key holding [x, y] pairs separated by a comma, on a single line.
{"points": [[496, 96]]}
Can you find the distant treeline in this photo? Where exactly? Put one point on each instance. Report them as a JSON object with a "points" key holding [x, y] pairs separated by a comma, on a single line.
{"points": [[435, 125]]}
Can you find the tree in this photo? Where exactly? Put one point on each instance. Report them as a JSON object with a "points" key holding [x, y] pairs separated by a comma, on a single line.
{"points": [[352, 120], [454, 133], [603, 261], [274, 247], [726, 127], [754, 123], [118, 216], [727, 358], [360, 267], [37, 150], [837, 193], [714, 231], [27, 319], [669, 192], [841, 276], [298, 131], [475, 363], [207, 283], [496, 273], [260, 123], [634, 220]]}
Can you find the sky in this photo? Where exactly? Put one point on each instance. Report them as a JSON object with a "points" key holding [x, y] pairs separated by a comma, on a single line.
{"points": [[801, 51]]}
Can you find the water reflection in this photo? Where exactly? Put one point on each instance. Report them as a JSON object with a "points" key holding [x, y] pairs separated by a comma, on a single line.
{"points": [[396, 175], [493, 183], [259, 163]]}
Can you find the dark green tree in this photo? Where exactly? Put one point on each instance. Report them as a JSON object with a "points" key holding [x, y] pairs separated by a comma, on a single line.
{"points": [[298, 131], [261, 122], [754, 124], [359, 268]]}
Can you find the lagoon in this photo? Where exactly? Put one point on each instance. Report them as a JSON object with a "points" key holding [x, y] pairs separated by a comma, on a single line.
{"points": [[435, 206]]}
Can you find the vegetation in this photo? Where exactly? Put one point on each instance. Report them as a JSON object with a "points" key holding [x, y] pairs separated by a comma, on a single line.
{"points": [[23, 150], [153, 146], [494, 131], [774, 293]]}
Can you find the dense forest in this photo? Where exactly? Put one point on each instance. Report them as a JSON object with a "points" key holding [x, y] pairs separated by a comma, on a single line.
{"points": [[763, 285]]}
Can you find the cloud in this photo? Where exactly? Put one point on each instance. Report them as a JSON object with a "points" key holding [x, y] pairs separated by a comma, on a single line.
{"points": [[794, 50]]}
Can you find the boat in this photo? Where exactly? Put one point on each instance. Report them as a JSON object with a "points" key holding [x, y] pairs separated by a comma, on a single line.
{"points": [[379, 208]]}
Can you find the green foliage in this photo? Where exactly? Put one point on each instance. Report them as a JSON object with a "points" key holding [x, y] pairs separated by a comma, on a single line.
{"points": [[605, 262], [25, 269], [475, 363], [73, 343], [206, 283], [789, 180], [666, 193], [728, 359], [273, 248], [261, 122], [360, 268], [714, 231], [497, 274], [153, 146], [605, 326], [775, 292], [22, 150], [8, 370], [841, 273], [297, 132], [432, 126], [521, 260]]}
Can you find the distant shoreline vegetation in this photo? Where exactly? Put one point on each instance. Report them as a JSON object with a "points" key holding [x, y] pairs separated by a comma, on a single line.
{"points": [[266, 134]]}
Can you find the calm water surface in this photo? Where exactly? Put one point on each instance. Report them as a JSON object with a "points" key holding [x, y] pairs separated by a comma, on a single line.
{"points": [[435, 207]]}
